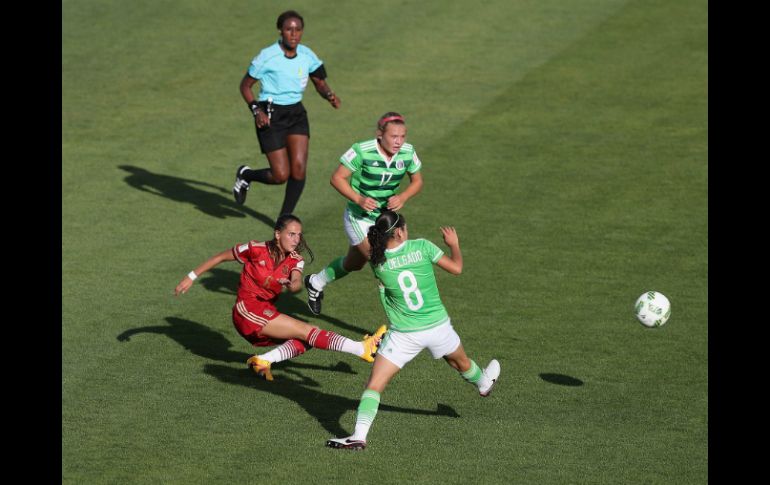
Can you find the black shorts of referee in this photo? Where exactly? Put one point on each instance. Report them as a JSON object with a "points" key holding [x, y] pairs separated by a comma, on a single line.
{"points": [[285, 120]]}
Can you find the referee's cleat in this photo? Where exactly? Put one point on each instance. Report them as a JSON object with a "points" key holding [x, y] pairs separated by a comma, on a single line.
{"points": [[492, 372], [346, 444], [241, 186], [261, 367], [372, 343], [314, 297]]}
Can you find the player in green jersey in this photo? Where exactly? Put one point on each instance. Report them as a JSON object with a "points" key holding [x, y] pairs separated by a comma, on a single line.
{"points": [[368, 176], [418, 319]]}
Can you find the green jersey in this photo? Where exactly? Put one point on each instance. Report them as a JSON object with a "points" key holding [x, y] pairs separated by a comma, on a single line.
{"points": [[408, 288], [374, 177]]}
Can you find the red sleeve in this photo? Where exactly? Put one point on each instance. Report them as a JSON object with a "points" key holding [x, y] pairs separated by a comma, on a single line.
{"points": [[247, 251], [297, 265]]}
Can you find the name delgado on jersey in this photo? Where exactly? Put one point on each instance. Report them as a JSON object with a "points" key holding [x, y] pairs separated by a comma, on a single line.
{"points": [[403, 260]]}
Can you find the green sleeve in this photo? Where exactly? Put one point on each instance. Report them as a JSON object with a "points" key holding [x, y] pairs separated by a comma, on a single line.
{"points": [[434, 252], [351, 159]]}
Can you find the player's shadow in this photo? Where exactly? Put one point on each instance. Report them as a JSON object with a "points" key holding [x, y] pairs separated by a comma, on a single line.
{"points": [[192, 192], [212, 345], [194, 337], [293, 304], [561, 379], [327, 409]]}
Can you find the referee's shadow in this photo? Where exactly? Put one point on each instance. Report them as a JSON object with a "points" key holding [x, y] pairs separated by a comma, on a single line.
{"points": [[326, 408], [191, 192]]}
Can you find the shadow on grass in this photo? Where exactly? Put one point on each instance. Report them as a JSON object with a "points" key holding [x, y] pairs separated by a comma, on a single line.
{"points": [[210, 344], [292, 384], [292, 304], [194, 337], [207, 343], [327, 409], [561, 379], [186, 190]]}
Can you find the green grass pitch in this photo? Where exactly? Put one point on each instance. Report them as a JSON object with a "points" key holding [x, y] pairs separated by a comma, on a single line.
{"points": [[567, 141]]}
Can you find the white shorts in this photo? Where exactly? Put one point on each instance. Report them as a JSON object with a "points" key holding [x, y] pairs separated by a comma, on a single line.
{"points": [[401, 347], [355, 227]]}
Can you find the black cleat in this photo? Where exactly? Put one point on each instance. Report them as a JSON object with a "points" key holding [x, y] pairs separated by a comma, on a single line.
{"points": [[241, 186], [346, 444], [314, 297]]}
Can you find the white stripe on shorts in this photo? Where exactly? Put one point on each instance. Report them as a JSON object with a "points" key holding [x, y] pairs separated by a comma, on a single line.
{"points": [[356, 228], [252, 317]]}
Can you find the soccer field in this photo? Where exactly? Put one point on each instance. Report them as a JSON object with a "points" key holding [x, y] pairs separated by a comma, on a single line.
{"points": [[567, 141]]}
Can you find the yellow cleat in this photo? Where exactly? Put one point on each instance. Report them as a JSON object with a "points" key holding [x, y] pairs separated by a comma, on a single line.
{"points": [[261, 367], [372, 343]]}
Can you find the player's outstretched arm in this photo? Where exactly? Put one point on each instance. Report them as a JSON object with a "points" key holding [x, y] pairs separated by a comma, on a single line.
{"points": [[453, 262], [187, 281]]}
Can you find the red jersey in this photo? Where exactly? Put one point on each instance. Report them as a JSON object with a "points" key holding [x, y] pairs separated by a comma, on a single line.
{"points": [[260, 275]]}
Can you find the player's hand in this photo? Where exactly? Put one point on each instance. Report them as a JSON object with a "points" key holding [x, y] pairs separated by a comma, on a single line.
{"points": [[284, 281], [295, 255], [367, 203], [183, 286], [396, 202], [450, 236]]}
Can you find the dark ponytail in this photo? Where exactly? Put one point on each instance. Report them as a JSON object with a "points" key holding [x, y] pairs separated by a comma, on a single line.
{"points": [[380, 233]]}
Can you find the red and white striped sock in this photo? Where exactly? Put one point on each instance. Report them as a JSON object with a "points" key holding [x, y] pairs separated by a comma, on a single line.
{"points": [[285, 351], [328, 340]]}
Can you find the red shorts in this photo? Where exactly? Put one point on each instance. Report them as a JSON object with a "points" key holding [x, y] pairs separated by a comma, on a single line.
{"points": [[250, 316]]}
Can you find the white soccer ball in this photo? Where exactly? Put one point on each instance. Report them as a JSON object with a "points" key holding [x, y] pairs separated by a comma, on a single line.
{"points": [[652, 309]]}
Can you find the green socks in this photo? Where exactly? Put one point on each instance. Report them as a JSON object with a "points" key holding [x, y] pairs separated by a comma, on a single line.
{"points": [[367, 410], [333, 271]]}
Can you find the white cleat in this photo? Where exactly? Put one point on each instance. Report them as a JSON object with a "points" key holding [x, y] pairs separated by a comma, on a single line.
{"points": [[346, 444], [492, 372]]}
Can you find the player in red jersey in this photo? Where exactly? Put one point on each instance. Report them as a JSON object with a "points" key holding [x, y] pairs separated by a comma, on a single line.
{"points": [[268, 268]]}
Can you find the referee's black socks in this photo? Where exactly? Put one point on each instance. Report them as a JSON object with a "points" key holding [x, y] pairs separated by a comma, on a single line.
{"points": [[294, 189]]}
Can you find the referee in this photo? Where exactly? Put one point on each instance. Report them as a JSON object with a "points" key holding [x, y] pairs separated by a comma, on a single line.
{"points": [[283, 131]]}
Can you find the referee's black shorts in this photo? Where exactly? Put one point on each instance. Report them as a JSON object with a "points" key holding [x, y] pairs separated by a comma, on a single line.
{"points": [[285, 120]]}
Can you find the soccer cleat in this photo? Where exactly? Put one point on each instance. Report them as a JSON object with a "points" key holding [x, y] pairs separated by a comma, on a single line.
{"points": [[492, 372], [261, 367], [346, 444], [372, 343], [314, 297], [241, 186]]}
